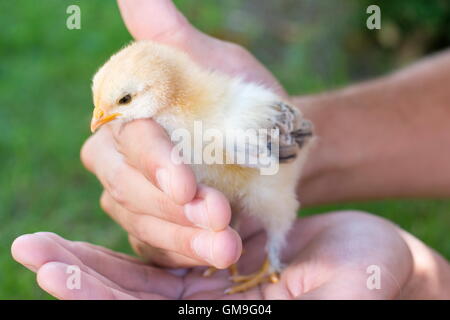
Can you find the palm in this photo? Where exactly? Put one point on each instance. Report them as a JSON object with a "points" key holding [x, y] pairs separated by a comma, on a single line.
{"points": [[326, 257]]}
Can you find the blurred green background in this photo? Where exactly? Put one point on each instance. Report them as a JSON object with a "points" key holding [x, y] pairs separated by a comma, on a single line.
{"points": [[45, 72]]}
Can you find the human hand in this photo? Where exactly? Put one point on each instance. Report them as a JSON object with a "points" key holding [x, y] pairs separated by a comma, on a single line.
{"points": [[326, 256], [155, 200], [160, 21]]}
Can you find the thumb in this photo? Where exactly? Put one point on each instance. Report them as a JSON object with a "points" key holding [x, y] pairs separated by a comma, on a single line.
{"points": [[351, 287], [157, 20]]}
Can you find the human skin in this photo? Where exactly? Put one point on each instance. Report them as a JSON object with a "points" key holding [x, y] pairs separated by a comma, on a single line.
{"points": [[389, 145], [384, 138], [375, 159], [327, 259]]}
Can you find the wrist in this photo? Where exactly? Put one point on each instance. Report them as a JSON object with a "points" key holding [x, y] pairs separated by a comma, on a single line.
{"points": [[327, 160], [351, 159]]}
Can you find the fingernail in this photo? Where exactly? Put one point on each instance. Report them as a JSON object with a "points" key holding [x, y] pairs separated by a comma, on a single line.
{"points": [[197, 213], [203, 246], [163, 180]]}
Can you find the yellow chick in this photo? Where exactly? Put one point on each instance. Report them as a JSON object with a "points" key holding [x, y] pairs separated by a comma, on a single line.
{"points": [[149, 80]]}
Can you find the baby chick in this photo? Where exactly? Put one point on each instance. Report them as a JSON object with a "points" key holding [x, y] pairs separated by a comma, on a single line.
{"points": [[149, 80]]}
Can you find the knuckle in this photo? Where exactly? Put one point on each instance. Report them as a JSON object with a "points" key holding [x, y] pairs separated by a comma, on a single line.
{"points": [[86, 153], [119, 147], [140, 248], [147, 163], [116, 185], [162, 203], [118, 195], [118, 134], [183, 246], [105, 202], [140, 231]]}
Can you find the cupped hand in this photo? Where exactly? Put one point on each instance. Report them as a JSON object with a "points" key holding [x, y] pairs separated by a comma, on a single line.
{"points": [[156, 201], [327, 257]]}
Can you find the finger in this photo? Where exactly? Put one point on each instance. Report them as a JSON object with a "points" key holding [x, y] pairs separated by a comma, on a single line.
{"points": [[154, 20], [159, 20], [209, 210], [309, 285], [345, 288], [162, 258], [52, 277], [144, 279], [127, 186], [35, 250], [124, 183], [99, 154], [220, 249], [146, 146]]}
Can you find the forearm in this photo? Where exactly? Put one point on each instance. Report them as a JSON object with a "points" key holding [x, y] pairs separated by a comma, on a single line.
{"points": [[385, 138]]}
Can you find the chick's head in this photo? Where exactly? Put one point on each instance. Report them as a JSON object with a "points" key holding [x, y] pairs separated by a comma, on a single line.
{"points": [[135, 83]]}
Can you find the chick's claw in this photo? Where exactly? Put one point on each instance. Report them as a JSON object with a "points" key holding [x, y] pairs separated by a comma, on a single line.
{"points": [[211, 270], [274, 277]]}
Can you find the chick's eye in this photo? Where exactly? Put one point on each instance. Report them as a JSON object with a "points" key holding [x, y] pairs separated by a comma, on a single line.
{"points": [[125, 99]]}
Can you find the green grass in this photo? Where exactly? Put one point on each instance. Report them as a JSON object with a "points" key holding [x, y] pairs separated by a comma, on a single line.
{"points": [[45, 73]]}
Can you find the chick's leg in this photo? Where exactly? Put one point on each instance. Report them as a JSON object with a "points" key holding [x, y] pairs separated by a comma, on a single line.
{"points": [[252, 280], [269, 271], [277, 217]]}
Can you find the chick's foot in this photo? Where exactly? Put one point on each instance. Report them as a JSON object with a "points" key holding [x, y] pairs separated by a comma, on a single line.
{"points": [[247, 282]]}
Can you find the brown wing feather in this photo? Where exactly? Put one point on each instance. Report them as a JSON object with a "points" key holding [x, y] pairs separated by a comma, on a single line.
{"points": [[293, 131]]}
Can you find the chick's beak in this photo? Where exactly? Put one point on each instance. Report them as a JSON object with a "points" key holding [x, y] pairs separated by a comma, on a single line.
{"points": [[99, 118]]}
